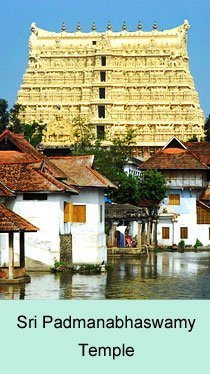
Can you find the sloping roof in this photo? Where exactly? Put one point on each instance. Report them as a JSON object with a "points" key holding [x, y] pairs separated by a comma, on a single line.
{"points": [[24, 169], [206, 194], [27, 178], [174, 155], [79, 170], [174, 142], [4, 191], [24, 152], [12, 222], [203, 205], [201, 149], [24, 178]]}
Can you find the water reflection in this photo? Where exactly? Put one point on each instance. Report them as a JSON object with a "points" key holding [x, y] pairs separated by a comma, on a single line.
{"points": [[161, 276]]}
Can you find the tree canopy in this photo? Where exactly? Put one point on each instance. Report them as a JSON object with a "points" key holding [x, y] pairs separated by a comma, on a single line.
{"points": [[207, 128], [110, 161], [10, 119], [153, 187]]}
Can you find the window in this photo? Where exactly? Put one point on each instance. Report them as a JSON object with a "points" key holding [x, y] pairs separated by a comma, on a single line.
{"points": [[165, 232], [101, 111], [209, 233], [100, 132], [101, 93], [74, 213], [183, 232], [94, 42], [103, 60], [102, 76], [174, 199], [68, 212], [79, 213], [34, 196], [203, 214]]}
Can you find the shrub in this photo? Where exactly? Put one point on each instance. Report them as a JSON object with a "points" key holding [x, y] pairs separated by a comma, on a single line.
{"points": [[198, 243], [181, 244]]}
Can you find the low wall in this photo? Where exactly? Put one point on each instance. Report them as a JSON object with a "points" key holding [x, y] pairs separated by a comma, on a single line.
{"points": [[17, 272]]}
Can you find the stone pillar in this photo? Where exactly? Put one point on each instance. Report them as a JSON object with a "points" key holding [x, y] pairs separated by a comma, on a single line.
{"points": [[148, 233], [114, 239], [139, 236], [11, 254], [22, 250]]}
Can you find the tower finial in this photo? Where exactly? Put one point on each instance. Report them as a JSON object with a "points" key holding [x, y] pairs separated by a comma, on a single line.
{"points": [[63, 28], [109, 27], [139, 27], [93, 26], [124, 27], [155, 26], [78, 26]]}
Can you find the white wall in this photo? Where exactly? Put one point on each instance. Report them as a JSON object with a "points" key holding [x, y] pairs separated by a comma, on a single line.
{"points": [[88, 239], [186, 217]]}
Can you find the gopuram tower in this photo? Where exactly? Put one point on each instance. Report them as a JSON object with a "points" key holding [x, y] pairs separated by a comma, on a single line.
{"points": [[115, 81]]}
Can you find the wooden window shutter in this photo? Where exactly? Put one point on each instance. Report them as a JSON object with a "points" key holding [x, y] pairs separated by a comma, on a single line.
{"points": [[165, 232], [183, 232], [68, 212], [79, 213], [174, 199], [203, 215]]}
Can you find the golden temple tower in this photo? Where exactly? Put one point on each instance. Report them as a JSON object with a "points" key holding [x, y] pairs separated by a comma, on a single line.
{"points": [[115, 81]]}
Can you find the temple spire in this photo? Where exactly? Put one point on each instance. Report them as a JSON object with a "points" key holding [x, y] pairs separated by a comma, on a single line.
{"points": [[155, 26], [109, 27], [139, 27], [78, 26], [93, 26], [63, 28], [124, 27]]}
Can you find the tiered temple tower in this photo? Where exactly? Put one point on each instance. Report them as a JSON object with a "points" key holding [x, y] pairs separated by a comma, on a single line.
{"points": [[114, 80]]}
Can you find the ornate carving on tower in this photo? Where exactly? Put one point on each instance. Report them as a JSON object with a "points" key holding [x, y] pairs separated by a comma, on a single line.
{"points": [[118, 80]]}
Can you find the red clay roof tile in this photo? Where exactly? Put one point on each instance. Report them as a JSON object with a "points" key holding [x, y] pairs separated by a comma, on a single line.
{"points": [[12, 222]]}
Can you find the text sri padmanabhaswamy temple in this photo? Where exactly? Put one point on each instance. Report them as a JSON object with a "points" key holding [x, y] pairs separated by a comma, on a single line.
{"points": [[116, 81]]}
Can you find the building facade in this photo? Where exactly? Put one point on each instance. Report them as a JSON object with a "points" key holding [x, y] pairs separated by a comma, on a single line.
{"points": [[62, 197], [184, 214], [114, 81]]}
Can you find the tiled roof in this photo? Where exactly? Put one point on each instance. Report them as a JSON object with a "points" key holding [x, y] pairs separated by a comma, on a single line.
{"points": [[4, 191], [203, 205], [79, 170], [14, 157], [201, 149], [25, 152], [206, 194], [26, 178], [24, 169], [173, 159], [12, 222]]}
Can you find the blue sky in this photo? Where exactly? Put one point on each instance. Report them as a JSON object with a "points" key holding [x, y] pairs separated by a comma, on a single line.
{"points": [[16, 17]]}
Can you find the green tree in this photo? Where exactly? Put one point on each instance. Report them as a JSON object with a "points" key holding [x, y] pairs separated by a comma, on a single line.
{"points": [[153, 187], [194, 138], [15, 124], [33, 132], [128, 190], [109, 160], [207, 128], [4, 115]]}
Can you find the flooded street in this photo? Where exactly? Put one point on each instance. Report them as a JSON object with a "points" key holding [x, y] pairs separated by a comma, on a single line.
{"points": [[162, 276]]}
